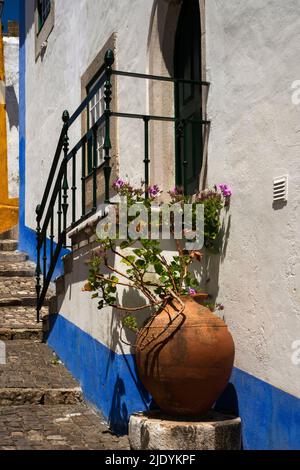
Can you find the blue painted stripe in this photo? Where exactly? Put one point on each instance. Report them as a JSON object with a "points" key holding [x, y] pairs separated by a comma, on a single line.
{"points": [[270, 417], [108, 380], [27, 236]]}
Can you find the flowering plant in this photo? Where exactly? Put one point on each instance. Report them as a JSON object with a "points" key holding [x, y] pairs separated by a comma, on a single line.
{"points": [[146, 268]]}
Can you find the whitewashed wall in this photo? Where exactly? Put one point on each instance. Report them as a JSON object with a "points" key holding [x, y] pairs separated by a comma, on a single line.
{"points": [[11, 58], [53, 83], [252, 60]]}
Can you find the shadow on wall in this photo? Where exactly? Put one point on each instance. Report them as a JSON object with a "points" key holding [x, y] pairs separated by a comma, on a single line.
{"points": [[228, 403], [167, 14], [12, 107], [118, 415], [29, 7], [211, 263], [108, 378]]}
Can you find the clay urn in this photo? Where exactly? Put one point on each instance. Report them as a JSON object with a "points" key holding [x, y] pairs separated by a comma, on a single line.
{"points": [[184, 357]]}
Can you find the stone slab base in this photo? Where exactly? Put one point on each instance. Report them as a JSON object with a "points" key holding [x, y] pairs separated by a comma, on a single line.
{"points": [[155, 431]]}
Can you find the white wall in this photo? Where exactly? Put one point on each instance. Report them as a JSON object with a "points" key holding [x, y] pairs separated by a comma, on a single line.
{"points": [[11, 58], [252, 58], [53, 83]]}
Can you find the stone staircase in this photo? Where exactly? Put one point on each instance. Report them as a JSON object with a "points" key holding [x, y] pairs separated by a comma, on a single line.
{"points": [[17, 295], [41, 405]]}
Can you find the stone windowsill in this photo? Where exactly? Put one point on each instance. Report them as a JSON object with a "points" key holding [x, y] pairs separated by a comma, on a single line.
{"points": [[85, 233]]}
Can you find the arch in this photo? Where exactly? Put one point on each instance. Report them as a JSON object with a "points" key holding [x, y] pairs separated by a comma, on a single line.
{"points": [[161, 47]]}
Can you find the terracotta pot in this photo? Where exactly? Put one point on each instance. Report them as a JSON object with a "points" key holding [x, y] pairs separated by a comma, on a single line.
{"points": [[185, 359]]}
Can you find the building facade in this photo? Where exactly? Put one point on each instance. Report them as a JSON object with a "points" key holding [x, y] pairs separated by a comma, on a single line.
{"points": [[9, 127], [245, 55]]}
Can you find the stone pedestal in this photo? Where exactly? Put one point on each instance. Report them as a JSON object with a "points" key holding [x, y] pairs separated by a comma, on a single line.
{"points": [[155, 431]]}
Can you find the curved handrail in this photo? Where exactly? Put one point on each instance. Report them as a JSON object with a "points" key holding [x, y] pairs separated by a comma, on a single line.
{"points": [[41, 207], [68, 121]]}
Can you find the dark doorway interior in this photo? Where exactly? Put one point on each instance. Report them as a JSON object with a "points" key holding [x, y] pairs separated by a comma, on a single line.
{"points": [[187, 65]]}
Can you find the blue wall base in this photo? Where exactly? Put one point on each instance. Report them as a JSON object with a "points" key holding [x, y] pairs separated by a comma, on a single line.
{"points": [[108, 380], [270, 417], [27, 244]]}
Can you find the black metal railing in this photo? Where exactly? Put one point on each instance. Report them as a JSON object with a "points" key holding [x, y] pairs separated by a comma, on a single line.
{"points": [[65, 182]]}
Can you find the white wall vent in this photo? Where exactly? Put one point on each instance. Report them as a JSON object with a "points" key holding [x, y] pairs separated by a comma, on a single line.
{"points": [[280, 189]]}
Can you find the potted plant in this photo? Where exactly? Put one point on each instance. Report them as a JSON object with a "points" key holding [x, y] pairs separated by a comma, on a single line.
{"points": [[184, 352]]}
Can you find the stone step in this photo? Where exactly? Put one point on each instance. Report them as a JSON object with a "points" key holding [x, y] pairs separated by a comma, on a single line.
{"points": [[11, 234], [19, 323], [12, 257], [24, 269], [8, 245], [56, 427], [18, 291], [33, 375]]}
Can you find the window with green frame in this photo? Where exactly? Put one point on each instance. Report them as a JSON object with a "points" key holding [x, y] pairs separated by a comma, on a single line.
{"points": [[44, 7], [95, 111]]}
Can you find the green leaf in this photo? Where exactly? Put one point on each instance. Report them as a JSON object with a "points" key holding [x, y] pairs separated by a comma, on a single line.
{"points": [[140, 263], [164, 279], [194, 283], [129, 260], [124, 244], [138, 252], [159, 269]]}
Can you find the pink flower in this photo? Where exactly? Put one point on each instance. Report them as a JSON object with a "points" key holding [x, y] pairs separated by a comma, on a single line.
{"points": [[153, 191], [118, 184], [192, 291], [225, 189], [176, 193], [173, 192]]}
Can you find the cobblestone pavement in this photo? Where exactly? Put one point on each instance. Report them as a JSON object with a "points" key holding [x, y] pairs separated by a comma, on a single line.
{"points": [[41, 405], [55, 427], [40, 368]]}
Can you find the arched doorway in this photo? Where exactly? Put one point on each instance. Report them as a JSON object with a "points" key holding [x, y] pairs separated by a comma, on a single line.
{"points": [[168, 25], [188, 97]]}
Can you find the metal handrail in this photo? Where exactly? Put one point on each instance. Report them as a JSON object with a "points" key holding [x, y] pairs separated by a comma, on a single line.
{"points": [[47, 250], [160, 78]]}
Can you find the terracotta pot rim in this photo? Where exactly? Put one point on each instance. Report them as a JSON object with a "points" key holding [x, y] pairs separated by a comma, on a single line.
{"points": [[208, 325], [194, 296]]}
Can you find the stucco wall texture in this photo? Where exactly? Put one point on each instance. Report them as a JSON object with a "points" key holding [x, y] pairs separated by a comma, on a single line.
{"points": [[251, 58], [11, 57], [252, 50], [81, 29]]}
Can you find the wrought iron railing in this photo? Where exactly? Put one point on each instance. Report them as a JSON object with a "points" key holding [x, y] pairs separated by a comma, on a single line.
{"points": [[52, 215]]}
